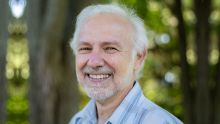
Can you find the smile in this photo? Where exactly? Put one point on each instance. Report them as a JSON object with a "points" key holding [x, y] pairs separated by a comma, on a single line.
{"points": [[98, 76]]}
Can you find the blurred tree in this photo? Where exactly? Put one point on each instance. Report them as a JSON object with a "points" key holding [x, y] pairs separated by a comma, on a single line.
{"points": [[4, 9], [201, 94], [185, 75], [53, 92], [217, 88]]}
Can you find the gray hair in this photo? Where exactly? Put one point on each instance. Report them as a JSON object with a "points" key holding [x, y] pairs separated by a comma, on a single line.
{"points": [[140, 37]]}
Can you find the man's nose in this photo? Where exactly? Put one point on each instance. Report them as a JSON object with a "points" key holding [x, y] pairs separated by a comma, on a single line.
{"points": [[95, 60]]}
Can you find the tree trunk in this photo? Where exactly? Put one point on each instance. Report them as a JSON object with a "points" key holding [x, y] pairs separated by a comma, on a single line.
{"points": [[197, 101], [203, 101], [54, 95], [57, 81], [34, 20], [3, 41], [217, 88], [185, 77]]}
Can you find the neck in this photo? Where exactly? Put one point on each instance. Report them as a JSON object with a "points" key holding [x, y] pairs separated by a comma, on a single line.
{"points": [[107, 107]]}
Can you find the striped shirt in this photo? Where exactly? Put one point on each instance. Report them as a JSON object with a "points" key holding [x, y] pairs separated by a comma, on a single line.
{"points": [[134, 109]]}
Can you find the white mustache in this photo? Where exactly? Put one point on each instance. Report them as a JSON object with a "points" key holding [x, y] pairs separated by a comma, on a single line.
{"points": [[97, 70]]}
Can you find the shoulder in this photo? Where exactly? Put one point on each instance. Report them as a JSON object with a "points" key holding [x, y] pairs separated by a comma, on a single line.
{"points": [[88, 113], [158, 116], [151, 113]]}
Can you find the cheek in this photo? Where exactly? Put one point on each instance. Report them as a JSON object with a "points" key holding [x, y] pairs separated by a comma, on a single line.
{"points": [[120, 64], [80, 63]]}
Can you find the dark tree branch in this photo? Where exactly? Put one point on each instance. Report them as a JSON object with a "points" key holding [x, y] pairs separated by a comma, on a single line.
{"points": [[202, 36], [185, 77]]}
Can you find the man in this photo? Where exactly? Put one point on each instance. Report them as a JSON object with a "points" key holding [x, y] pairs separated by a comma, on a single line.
{"points": [[109, 44]]}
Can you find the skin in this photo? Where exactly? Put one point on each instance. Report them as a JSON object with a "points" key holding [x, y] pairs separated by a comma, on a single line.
{"points": [[106, 62]]}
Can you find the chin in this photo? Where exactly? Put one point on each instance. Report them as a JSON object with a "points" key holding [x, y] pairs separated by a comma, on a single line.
{"points": [[100, 94]]}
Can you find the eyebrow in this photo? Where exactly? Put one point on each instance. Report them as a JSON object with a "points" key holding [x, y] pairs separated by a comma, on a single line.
{"points": [[111, 43], [103, 43], [83, 43]]}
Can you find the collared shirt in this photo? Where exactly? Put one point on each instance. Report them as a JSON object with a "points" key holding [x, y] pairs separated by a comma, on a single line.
{"points": [[134, 109]]}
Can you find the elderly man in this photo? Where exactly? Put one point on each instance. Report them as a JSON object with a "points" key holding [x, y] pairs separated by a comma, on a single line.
{"points": [[109, 44]]}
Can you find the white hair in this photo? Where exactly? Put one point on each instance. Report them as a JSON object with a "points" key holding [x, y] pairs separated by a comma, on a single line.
{"points": [[140, 37]]}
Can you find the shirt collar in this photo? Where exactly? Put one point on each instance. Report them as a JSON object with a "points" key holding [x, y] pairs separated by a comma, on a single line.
{"points": [[89, 112]]}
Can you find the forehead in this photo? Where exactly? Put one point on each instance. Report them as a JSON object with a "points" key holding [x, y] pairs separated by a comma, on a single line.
{"points": [[105, 27]]}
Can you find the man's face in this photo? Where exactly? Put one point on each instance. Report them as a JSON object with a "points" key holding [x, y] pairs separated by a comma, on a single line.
{"points": [[105, 61]]}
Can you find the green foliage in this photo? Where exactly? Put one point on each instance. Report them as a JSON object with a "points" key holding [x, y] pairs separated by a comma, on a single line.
{"points": [[17, 105], [17, 73], [84, 99]]}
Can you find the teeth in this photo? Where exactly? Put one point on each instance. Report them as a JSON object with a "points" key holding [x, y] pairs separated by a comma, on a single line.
{"points": [[100, 76]]}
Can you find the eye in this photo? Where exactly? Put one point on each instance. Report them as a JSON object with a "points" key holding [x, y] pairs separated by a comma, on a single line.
{"points": [[84, 50], [110, 50]]}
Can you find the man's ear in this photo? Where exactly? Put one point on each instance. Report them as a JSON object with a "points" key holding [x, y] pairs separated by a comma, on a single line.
{"points": [[140, 59]]}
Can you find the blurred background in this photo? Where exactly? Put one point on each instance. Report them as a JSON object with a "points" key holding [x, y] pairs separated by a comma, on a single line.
{"points": [[37, 79]]}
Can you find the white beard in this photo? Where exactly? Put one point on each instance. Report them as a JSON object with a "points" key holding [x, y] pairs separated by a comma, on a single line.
{"points": [[100, 94]]}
